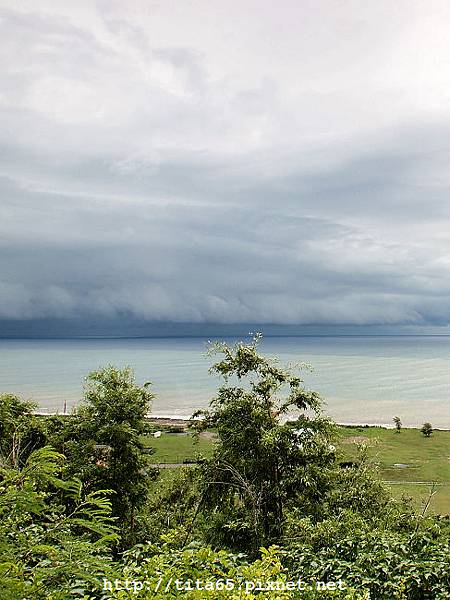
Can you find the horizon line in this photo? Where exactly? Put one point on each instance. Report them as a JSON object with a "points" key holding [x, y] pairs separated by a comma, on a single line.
{"points": [[198, 336]]}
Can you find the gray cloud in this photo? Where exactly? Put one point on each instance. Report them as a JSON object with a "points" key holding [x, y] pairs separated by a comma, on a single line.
{"points": [[153, 168]]}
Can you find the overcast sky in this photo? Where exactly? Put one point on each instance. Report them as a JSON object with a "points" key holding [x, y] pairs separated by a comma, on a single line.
{"points": [[239, 161]]}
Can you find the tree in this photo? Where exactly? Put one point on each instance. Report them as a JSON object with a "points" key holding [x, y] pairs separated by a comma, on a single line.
{"points": [[398, 424], [427, 429], [21, 432], [262, 462], [103, 442]]}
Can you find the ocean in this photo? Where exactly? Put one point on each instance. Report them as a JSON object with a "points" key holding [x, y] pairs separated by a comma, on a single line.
{"points": [[363, 379]]}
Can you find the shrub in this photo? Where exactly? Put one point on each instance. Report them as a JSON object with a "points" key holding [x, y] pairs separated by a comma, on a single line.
{"points": [[46, 552], [391, 564], [222, 575], [20, 431], [427, 429]]}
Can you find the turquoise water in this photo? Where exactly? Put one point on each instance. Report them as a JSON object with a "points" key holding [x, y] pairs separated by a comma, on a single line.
{"points": [[362, 379]]}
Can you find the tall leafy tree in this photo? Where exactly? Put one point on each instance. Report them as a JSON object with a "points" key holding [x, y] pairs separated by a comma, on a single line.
{"points": [[263, 462], [103, 443]]}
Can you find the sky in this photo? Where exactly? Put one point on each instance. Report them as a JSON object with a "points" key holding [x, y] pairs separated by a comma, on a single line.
{"points": [[228, 162]]}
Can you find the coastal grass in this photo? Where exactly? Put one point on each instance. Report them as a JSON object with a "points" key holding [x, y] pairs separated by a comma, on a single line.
{"points": [[408, 461], [437, 497], [413, 465], [408, 456], [173, 448]]}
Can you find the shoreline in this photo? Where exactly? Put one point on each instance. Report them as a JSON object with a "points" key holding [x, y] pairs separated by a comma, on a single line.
{"points": [[184, 418], [181, 420]]}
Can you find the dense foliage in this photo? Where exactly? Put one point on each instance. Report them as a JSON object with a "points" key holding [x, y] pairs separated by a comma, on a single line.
{"points": [[199, 572], [43, 547], [427, 429], [20, 430], [274, 513], [102, 442], [393, 559], [262, 465]]}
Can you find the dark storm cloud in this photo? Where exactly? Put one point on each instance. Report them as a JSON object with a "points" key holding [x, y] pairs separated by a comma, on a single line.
{"points": [[145, 172]]}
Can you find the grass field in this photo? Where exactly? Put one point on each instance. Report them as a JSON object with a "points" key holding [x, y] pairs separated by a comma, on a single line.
{"points": [[427, 459], [421, 461], [177, 447], [439, 502]]}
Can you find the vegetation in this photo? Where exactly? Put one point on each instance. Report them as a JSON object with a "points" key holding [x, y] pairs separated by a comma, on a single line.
{"points": [[427, 429], [392, 558], [20, 432], [102, 442], [411, 465], [200, 572], [260, 464], [270, 508], [398, 424], [182, 448], [43, 547]]}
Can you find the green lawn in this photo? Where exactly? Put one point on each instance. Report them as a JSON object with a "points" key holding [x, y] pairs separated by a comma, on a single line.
{"points": [[439, 502], [427, 459], [176, 448]]}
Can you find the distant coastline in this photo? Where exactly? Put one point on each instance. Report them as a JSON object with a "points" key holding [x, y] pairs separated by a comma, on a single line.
{"points": [[361, 378], [183, 419]]}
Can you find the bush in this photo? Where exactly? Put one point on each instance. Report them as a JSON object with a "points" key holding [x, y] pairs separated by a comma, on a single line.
{"points": [[46, 552], [221, 574], [175, 429], [398, 424], [427, 429], [412, 565], [20, 431]]}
